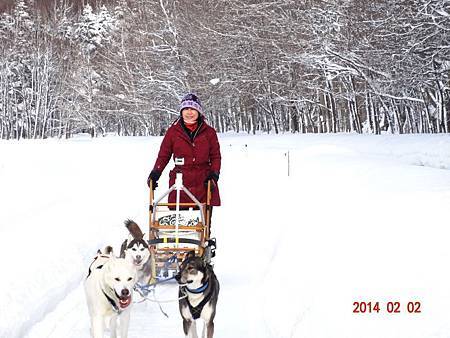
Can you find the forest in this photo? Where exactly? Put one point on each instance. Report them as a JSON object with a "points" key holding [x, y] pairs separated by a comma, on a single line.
{"points": [[275, 66]]}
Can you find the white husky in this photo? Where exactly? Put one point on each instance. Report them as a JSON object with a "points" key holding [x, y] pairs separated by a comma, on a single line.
{"points": [[109, 289]]}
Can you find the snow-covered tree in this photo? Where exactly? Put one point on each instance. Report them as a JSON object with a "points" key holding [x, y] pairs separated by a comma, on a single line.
{"points": [[94, 30]]}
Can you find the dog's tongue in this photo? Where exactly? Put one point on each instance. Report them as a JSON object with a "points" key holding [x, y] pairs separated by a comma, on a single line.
{"points": [[124, 302]]}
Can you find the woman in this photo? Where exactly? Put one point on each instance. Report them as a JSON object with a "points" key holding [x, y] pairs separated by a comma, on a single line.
{"points": [[196, 153]]}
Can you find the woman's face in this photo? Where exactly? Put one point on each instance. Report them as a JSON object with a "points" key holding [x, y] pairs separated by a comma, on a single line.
{"points": [[190, 115]]}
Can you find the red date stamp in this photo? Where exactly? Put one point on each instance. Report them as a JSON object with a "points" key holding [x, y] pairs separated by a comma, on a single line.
{"points": [[387, 307]]}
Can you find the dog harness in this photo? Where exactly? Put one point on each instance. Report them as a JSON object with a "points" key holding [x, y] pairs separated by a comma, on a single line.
{"points": [[98, 267], [197, 310], [112, 302]]}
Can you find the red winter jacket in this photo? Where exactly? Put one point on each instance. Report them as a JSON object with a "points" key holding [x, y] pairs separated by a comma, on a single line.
{"points": [[201, 156]]}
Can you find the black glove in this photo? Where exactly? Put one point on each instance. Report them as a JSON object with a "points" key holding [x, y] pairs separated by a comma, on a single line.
{"points": [[214, 176], [153, 177]]}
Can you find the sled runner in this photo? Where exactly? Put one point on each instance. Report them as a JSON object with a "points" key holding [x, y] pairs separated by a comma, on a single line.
{"points": [[176, 228]]}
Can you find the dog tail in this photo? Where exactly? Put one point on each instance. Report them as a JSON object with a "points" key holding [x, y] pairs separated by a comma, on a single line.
{"points": [[134, 229]]}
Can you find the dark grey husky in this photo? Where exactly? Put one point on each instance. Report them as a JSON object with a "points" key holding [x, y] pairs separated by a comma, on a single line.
{"points": [[201, 287], [135, 250]]}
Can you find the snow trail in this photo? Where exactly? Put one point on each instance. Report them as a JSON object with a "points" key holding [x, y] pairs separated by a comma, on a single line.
{"points": [[360, 218]]}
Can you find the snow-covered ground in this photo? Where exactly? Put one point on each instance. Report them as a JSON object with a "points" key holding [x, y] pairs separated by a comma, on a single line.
{"points": [[359, 218]]}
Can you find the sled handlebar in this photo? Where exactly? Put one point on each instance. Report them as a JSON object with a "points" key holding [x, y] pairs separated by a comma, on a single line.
{"points": [[208, 194]]}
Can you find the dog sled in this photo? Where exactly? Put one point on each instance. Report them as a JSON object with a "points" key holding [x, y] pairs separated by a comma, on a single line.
{"points": [[177, 228]]}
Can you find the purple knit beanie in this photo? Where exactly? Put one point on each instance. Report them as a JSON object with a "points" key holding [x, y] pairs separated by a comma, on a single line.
{"points": [[191, 101]]}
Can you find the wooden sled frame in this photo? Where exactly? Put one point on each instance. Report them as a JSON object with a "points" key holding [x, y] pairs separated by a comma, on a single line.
{"points": [[166, 241]]}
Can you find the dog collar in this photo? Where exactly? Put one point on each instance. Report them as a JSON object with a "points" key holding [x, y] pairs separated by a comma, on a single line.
{"points": [[199, 290]]}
